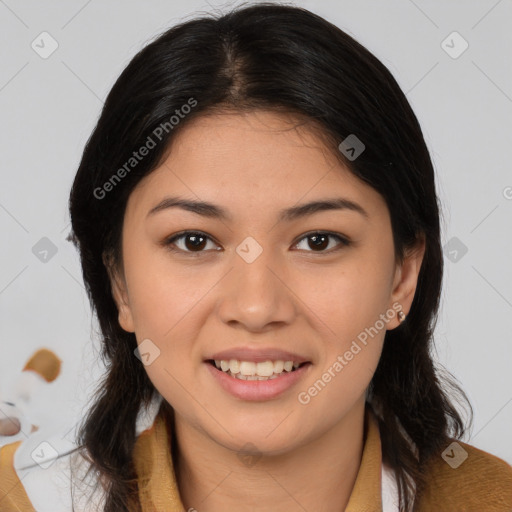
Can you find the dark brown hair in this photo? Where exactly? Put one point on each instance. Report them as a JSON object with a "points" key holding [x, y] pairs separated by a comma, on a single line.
{"points": [[285, 59]]}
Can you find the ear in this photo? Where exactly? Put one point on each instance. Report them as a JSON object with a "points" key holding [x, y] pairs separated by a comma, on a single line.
{"points": [[120, 294], [406, 280]]}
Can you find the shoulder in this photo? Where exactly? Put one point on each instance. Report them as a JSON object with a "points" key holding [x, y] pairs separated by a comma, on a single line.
{"points": [[465, 478]]}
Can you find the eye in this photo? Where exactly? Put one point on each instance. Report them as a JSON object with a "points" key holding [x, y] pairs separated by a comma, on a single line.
{"points": [[197, 242], [193, 241], [319, 241]]}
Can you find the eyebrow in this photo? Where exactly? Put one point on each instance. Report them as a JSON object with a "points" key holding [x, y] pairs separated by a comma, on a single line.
{"points": [[211, 210]]}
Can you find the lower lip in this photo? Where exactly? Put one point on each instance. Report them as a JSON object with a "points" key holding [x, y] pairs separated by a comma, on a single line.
{"points": [[258, 389]]}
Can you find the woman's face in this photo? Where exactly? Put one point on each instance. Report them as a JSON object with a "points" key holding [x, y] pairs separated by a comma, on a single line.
{"points": [[267, 280]]}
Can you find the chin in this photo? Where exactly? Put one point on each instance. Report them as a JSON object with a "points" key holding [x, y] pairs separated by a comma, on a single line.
{"points": [[261, 438]]}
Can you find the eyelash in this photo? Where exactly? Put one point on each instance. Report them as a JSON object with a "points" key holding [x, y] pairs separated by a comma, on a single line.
{"points": [[169, 242]]}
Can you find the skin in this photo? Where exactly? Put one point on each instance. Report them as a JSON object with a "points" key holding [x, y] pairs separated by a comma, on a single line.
{"points": [[293, 296]]}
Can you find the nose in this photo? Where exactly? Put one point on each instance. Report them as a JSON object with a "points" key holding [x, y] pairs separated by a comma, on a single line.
{"points": [[255, 294]]}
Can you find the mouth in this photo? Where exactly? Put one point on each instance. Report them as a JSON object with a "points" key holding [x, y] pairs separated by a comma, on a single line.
{"points": [[251, 371]]}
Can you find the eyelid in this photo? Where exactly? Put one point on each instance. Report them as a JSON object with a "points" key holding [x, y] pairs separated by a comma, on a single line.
{"points": [[344, 240]]}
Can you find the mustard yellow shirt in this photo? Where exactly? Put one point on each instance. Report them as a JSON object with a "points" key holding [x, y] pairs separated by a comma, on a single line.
{"points": [[482, 483]]}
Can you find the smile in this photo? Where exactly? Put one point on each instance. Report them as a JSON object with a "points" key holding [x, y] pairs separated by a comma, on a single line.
{"points": [[249, 370], [261, 373]]}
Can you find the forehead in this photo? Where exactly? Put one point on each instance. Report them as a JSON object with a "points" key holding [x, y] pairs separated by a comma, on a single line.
{"points": [[265, 137], [258, 158]]}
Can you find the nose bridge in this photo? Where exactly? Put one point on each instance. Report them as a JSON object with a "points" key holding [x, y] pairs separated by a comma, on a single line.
{"points": [[255, 294]]}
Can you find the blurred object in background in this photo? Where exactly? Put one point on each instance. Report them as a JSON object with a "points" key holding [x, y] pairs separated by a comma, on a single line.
{"points": [[15, 405]]}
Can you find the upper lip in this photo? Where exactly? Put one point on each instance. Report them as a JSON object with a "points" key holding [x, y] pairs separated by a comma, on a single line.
{"points": [[257, 355]]}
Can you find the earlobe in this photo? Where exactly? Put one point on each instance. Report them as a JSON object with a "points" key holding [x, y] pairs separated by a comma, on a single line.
{"points": [[406, 280], [120, 295], [125, 318]]}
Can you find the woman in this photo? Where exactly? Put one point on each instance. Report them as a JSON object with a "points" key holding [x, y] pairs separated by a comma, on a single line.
{"points": [[258, 226]]}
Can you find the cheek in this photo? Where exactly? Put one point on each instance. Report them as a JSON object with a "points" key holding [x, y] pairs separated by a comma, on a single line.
{"points": [[349, 308], [166, 307], [160, 293], [348, 303], [350, 298]]}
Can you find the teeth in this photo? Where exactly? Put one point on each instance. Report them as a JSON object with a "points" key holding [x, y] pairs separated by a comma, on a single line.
{"points": [[278, 366], [265, 369], [234, 366], [248, 370]]}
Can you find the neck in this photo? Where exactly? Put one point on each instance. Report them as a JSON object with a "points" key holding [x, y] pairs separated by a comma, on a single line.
{"points": [[317, 475]]}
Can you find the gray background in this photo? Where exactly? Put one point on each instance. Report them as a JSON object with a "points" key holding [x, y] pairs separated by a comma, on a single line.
{"points": [[49, 107]]}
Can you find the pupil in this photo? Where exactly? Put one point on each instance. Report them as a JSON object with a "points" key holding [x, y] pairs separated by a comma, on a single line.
{"points": [[321, 239], [197, 244]]}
